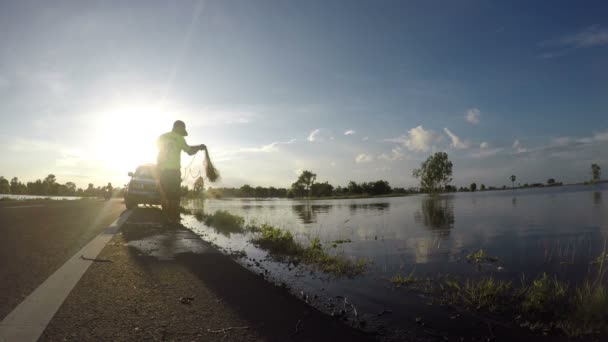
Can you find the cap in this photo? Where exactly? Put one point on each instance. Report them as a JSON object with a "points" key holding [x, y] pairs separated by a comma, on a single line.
{"points": [[180, 127]]}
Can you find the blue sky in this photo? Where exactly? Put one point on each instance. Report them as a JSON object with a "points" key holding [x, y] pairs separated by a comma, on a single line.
{"points": [[359, 90]]}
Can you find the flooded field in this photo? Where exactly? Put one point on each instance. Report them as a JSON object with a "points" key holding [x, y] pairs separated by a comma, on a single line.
{"points": [[523, 233]]}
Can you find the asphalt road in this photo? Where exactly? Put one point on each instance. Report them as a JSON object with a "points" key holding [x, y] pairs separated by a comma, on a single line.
{"points": [[40, 236]]}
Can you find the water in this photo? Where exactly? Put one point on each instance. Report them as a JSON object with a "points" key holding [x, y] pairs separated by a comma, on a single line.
{"points": [[559, 230]]}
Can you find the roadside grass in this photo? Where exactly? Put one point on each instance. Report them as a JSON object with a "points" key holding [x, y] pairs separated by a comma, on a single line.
{"points": [[223, 222], [282, 244]]}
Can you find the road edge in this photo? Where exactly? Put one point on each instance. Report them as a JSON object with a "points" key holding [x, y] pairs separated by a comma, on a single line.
{"points": [[30, 318]]}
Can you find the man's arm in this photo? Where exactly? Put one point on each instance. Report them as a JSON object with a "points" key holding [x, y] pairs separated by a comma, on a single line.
{"points": [[191, 150]]}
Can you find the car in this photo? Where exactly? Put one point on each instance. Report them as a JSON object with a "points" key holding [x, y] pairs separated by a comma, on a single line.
{"points": [[143, 187]]}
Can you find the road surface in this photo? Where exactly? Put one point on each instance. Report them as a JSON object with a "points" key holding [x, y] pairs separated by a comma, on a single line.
{"points": [[40, 236]]}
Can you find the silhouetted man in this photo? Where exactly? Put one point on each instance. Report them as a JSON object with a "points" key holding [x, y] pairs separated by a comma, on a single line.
{"points": [[170, 146]]}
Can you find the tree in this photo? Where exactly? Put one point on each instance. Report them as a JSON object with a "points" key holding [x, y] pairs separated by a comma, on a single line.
{"points": [[321, 189], [304, 182], [473, 187], [5, 188], [596, 172], [483, 187], [247, 191], [551, 181], [354, 188], [434, 173], [513, 178]]}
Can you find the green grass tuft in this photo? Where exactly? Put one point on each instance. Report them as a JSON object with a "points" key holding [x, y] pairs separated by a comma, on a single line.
{"points": [[224, 222], [480, 256]]}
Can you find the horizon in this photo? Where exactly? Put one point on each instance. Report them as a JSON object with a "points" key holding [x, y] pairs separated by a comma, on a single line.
{"points": [[351, 91]]}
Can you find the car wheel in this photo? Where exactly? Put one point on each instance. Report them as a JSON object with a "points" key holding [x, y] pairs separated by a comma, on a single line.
{"points": [[130, 204]]}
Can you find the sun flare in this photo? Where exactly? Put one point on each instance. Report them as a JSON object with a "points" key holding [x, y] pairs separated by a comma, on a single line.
{"points": [[125, 137]]}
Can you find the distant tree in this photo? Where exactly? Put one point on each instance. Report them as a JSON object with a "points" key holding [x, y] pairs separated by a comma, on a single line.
{"points": [[513, 178], [71, 188], [354, 188], [5, 187], [450, 188], [17, 187], [434, 173], [302, 186], [596, 172], [260, 192], [483, 187], [473, 187], [50, 185], [551, 181], [90, 190], [247, 191], [321, 189]]}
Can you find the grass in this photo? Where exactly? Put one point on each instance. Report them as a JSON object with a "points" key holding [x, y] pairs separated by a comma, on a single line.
{"points": [[399, 280], [275, 240], [223, 222], [545, 303], [544, 298], [480, 256], [282, 244], [486, 293]]}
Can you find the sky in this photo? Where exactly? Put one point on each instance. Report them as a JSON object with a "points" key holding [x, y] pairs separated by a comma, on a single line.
{"points": [[352, 90]]}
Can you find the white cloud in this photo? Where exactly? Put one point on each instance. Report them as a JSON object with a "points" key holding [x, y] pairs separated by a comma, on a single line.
{"points": [[364, 158], [457, 143], [517, 146], [589, 37], [365, 139], [418, 139], [319, 135], [349, 132], [473, 115], [485, 150], [272, 147], [313, 135], [395, 154]]}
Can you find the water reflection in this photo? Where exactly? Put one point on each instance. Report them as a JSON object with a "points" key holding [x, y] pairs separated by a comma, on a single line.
{"points": [[308, 212], [597, 198], [437, 213], [354, 207], [514, 201]]}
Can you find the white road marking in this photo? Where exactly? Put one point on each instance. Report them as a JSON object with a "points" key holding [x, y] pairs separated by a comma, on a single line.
{"points": [[25, 206], [28, 320]]}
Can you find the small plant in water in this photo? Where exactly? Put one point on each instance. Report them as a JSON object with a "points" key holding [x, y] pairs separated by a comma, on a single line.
{"points": [[480, 256], [481, 294], [399, 280], [224, 222], [545, 297]]}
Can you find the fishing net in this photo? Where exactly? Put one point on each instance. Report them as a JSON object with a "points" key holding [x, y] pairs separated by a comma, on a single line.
{"points": [[212, 173]]}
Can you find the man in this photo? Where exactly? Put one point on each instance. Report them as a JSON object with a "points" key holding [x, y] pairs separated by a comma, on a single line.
{"points": [[170, 146]]}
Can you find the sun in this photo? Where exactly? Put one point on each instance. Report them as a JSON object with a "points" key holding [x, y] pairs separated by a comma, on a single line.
{"points": [[125, 137]]}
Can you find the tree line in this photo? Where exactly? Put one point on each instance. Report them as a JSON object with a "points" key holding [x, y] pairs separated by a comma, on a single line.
{"points": [[306, 186], [49, 187]]}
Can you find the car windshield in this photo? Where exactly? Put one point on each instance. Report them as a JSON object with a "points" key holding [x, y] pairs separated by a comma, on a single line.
{"points": [[144, 172]]}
